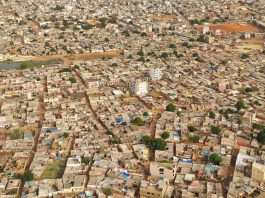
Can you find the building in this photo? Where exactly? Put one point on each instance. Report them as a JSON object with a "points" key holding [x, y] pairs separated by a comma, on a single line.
{"points": [[139, 87], [156, 73], [163, 170], [258, 171], [206, 28], [156, 189]]}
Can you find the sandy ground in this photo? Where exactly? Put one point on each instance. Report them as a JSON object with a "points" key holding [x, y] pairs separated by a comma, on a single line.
{"points": [[92, 22], [233, 27], [163, 17], [250, 45], [68, 59]]}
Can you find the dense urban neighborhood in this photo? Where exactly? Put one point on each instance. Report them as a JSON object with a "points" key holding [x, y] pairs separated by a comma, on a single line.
{"points": [[123, 99]]}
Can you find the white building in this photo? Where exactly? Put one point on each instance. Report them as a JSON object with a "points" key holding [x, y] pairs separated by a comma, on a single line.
{"points": [[139, 87], [156, 73], [206, 28]]}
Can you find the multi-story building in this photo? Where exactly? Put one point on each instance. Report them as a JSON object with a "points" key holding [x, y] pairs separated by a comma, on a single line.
{"points": [[156, 73], [139, 87]]}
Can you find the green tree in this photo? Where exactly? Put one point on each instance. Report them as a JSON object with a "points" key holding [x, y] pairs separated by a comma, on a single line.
{"points": [[138, 121], [172, 46], [145, 114], [157, 144], [28, 176], [212, 115], [258, 126], [195, 55], [215, 130], [65, 70], [240, 105], [244, 56], [65, 135], [224, 62], [86, 160], [165, 135], [257, 103], [178, 113], [146, 139], [248, 89], [186, 44], [201, 38], [72, 80], [171, 107], [164, 55], [192, 128], [107, 191], [194, 138], [215, 158], [130, 56], [126, 33], [140, 53], [142, 59], [143, 34], [261, 137], [76, 67], [109, 132]]}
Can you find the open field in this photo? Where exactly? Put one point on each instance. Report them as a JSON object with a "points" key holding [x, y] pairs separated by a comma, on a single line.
{"points": [[249, 45], [67, 59], [162, 17], [52, 171], [233, 27]]}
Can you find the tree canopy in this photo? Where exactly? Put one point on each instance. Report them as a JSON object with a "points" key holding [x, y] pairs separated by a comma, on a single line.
{"points": [[164, 55], [86, 160], [171, 107], [215, 130], [261, 137], [215, 158], [240, 105], [138, 121], [212, 115], [145, 114], [172, 46], [192, 128], [28, 176], [107, 191], [155, 143], [165, 135], [194, 138]]}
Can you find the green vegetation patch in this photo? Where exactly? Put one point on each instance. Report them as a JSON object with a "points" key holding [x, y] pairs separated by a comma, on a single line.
{"points": [[28, 65], [52, 171]]}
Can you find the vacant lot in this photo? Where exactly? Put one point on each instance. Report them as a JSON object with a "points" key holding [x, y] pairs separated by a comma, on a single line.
{"points": [[53, 171], [234, 27], [68, 59]]}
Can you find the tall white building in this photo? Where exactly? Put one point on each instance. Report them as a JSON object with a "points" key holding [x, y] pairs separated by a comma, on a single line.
{"points": [[156, 73], [139, 87]]}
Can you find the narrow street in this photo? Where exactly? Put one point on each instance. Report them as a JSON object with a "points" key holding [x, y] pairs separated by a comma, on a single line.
{"points": [[34, 144]]}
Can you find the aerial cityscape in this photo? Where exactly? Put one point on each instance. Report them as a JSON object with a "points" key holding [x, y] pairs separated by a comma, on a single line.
{"points": [[132, 98]]}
